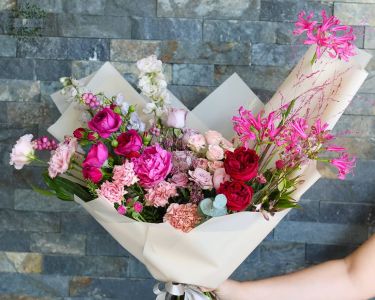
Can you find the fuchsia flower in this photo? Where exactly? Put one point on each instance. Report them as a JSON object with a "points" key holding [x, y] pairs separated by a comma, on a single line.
{"points": [[344, 164], [96, 156], [182, 216], [138, 207], [304, 24], [129, 143], [105, 122], [121, 210]]}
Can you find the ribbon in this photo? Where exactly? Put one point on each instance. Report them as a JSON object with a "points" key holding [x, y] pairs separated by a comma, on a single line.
{"points": [[176, 289]]}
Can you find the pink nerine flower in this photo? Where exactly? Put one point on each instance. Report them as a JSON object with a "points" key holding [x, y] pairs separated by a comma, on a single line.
{"points": [[303, 24], [60, 159], [182, 216], [202, 178], [124, 174], [152, 166], [22, 152], [111, 191], [159, 195], [344, 164]]}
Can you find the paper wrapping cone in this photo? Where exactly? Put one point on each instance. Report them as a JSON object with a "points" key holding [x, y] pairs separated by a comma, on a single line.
{"points": [[208, 254]]}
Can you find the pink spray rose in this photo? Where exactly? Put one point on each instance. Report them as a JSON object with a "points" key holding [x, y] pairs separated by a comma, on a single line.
{"points": [[158, 195], [111, 191], [124, 174], [182, 216], [22, 152], [105, 122], [202, 178], [196, 142], [215, 152], [182, 161], [214, 165], [180, 179], [97, 156], [60, 159], [129, 143], [153, 165], [92, 173], [213, 137], [176, 118], [219, 177]]}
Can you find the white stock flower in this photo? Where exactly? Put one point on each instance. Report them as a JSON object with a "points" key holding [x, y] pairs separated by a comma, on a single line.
{"points": [[150, 65]]}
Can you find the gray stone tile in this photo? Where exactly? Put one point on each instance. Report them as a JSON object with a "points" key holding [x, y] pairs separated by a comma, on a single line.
{"points": [[7, 4], [19, 90], [47, 69], [309, 211], [96, 288], [16, 241], [57, 243], [189, 74], [360, 126], [137, 269], [369, 85], [85, 265], [96, 7], [34, 285], [274, 251], [73, 25], [316, 253], [140, 8], [221, 9], [234, 30], [366, 151], [50, 6], [191, 96], [6, 195], [8, 46], [49, 87], [288, 10], [11, 220], [355, 13], [9, 134], [320, 233], [27, 113], [370, 37], [64, 48], [5, 151], [276, 55], [256, 77], [80, 223], [16, 68], [104, 245], [362, 104], [166, 29], [20, 262], [347, 213]]}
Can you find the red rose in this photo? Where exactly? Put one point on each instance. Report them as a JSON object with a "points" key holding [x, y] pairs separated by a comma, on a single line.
{"points": [[129, 144], [238, 194], [242, 164], [105, 122], [79, 133], [92, 173]]}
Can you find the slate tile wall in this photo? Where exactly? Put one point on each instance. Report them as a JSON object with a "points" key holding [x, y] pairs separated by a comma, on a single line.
{"points": [[54, 250]]}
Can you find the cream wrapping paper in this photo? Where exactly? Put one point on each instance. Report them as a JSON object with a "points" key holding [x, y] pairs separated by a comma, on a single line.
{"points": [[208, 254]]}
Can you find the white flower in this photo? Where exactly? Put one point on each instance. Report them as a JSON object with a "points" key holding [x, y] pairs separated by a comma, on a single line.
{"points": [[22, 152], [120, 101], [150, 107], [150, 65]]}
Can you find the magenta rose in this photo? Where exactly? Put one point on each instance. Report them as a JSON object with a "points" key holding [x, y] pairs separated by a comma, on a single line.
{"points": [[92, 173], [153, 165], [129, 142], [105, 122], [97, 156]]}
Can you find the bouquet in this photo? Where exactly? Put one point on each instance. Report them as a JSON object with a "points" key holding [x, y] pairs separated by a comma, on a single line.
{"points": [[193, 193]]}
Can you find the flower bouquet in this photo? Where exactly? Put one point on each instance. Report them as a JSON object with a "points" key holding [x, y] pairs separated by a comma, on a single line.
{"points": [[191, 194]]}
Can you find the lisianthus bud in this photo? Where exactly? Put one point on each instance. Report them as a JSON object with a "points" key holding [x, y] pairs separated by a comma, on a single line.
{"points": [[117, 110], [146, 138], [131, 108], [114, 143], [79, 133]]}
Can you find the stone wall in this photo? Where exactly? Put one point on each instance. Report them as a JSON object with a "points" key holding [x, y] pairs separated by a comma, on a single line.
{"points": [[51, 249]]}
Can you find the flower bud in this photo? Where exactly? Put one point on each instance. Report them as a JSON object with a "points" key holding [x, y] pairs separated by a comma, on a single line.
{"points": [[114, 143]]}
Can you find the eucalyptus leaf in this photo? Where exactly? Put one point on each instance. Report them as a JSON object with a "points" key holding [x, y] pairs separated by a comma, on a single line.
{"points": [[214, 208]]}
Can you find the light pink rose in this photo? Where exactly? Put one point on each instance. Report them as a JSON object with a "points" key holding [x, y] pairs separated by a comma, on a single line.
{"points": [[111, 191], [227, 145], [60, 159], [180, 179], [214, 165], [196, 142], [124, 174], [215, 152], [202, 178], [159, 195], [22, 152], [176, 118], [219, 177], [200, 163], [182, 161], [213, 137]]}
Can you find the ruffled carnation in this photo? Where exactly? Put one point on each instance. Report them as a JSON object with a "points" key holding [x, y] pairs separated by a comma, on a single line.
{"points": [[182, 216], [160, 194], [111, 191], [22, 152], [60, 159], [124, 174]]}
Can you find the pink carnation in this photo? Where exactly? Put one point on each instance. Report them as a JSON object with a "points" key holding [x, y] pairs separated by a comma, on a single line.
{"points": [[159, 195], [60, 159], [124, 174], [22, 152], [182, 216], [111, 191]]}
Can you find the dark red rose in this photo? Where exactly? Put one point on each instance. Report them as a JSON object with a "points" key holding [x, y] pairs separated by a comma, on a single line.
{"points": [[242, 164], [129, 144], [239, 194], [92, 173], [105, 122]]}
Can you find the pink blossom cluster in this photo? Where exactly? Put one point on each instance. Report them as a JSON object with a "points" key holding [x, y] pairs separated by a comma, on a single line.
{"points": [[328, 35], [44, 143], [91, 100]]}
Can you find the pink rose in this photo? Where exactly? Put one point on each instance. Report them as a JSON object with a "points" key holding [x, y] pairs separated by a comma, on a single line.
{"points": [[105, 122], [111, 191], [22, 152], [227, 145], [176, 118], [153, 165], [215, 152], [213, 137], [200, 163], [60, 159], [202, 178], [92, 173], [214, 165], [180, 179], [159, 195], [196, 142], [219, 177], [182, 161], [129, 143], [97, 156]]}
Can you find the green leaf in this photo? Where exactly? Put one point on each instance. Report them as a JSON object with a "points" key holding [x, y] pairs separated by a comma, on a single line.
{"points": [[43, 192]]}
